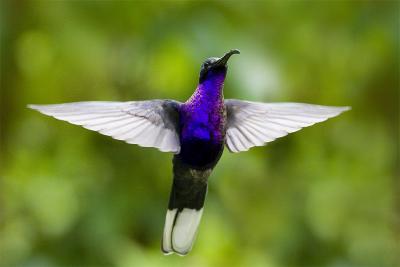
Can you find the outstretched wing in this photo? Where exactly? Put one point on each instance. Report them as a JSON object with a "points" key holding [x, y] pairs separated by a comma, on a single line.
{"points": [[150, 123], [254, 124]]}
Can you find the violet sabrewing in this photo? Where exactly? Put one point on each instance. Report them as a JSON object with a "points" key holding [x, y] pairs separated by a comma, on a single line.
{"points": [[196, 132]]}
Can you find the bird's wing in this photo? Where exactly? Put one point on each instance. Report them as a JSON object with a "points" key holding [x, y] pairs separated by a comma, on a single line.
{"points": [[150, 123], [255, 124]]}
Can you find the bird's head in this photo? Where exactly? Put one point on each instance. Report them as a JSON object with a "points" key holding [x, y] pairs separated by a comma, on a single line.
{"points": [[216, 66]]}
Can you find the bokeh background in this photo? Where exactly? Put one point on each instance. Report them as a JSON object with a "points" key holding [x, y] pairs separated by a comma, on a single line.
{"points": [[325, 196]]}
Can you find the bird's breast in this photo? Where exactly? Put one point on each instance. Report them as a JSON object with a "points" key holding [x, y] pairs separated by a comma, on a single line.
{"points": [[203, 126], [202, 137]]}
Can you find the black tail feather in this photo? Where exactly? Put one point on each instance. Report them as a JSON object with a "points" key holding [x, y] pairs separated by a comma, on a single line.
{"points": [[187, 193]]}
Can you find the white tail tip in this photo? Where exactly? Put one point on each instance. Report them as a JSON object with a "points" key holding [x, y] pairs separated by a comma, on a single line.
{"points": [[180, 230]]}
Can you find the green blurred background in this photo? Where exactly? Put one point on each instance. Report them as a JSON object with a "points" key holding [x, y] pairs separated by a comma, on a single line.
{"points": [[326, 196]]}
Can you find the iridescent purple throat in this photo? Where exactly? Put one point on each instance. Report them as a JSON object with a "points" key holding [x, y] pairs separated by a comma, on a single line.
{"points": [[202, 116]]}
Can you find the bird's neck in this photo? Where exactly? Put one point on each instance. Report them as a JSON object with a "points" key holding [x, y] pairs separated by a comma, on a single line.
{"points": [[202, 116], [209, 92]]}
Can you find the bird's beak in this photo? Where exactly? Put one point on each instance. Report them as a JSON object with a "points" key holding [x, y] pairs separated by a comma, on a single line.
{"points": [[223, 60]]}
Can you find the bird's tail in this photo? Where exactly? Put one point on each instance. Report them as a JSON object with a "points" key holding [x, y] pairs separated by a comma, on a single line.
{"points": [[185, 208]]}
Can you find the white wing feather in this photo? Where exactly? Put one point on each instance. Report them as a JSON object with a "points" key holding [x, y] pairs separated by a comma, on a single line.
{"points": [[146, 123], [254, 124]]}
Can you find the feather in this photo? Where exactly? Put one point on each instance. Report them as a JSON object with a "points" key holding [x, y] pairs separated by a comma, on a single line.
{"points": [[252, 124], [145, 123]]}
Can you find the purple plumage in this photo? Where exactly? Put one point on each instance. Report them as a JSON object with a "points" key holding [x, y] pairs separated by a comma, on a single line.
{"points": [[202, 122], [202, 116]]}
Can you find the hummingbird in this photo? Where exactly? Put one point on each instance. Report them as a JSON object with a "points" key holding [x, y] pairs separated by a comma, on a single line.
{"points": [[196, 132]]}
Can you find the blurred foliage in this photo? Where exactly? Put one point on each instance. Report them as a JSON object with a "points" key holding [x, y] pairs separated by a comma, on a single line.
{"points": [[326, 196]]}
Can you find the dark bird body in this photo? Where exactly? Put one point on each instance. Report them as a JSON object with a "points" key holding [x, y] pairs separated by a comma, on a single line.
{"points": [[197, 132]]}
